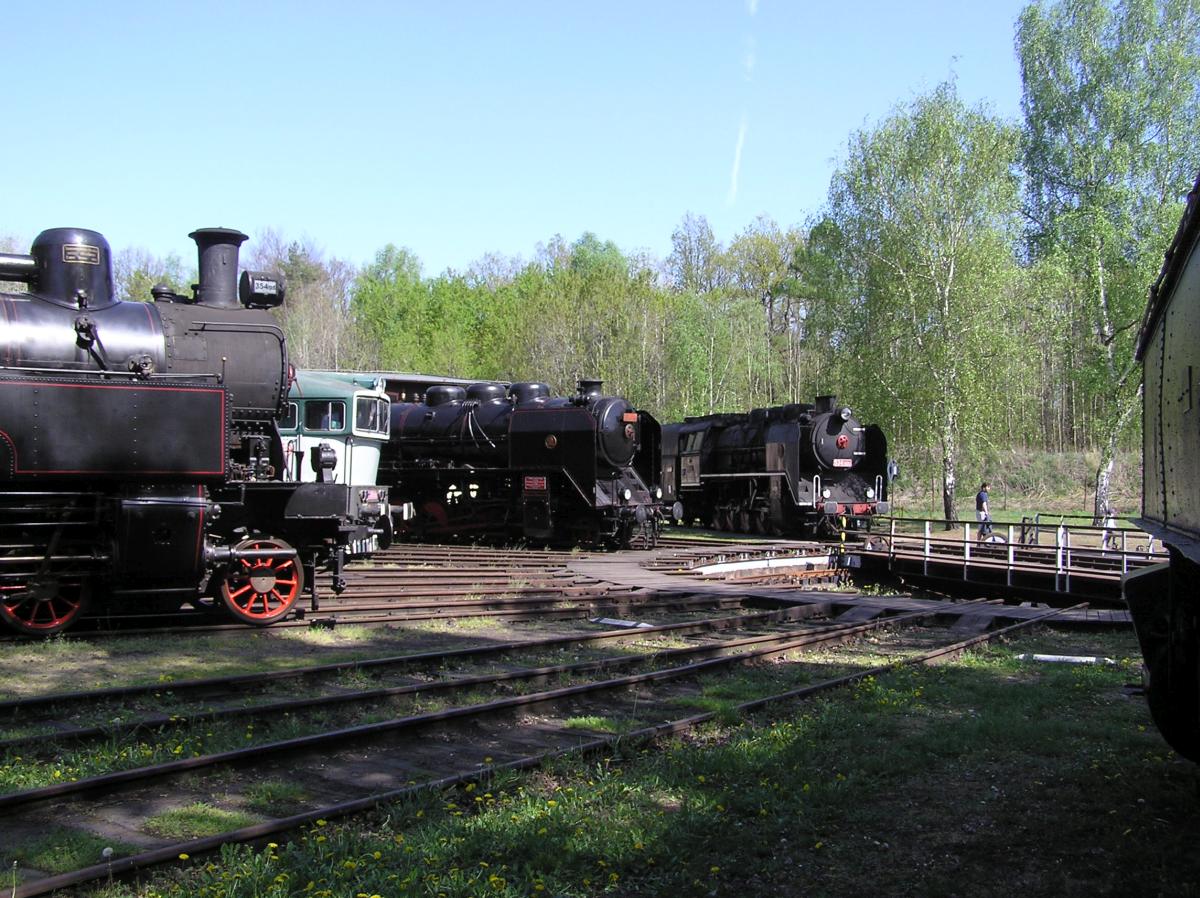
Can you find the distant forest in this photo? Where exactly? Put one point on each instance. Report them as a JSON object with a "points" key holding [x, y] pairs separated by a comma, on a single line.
{"points": [[971, 282]]}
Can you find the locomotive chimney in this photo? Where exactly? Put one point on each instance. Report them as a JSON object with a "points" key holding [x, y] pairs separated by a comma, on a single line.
{"points": [[588, 388], [218, 249], [825, 404]]}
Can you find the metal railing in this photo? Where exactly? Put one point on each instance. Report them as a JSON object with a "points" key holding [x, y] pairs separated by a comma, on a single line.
{"points": [[1032, 546]]}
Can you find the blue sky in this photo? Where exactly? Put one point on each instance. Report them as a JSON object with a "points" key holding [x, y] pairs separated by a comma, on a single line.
{"points": [[459, 129]]}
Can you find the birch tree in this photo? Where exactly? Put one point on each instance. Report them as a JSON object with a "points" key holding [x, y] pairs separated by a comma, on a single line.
{"points": [[925, 204], [1112, 138]]}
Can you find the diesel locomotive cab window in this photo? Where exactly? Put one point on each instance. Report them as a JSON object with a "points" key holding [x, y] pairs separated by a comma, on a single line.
{"points": [[324, 415], [290, 414], [371, 415]]}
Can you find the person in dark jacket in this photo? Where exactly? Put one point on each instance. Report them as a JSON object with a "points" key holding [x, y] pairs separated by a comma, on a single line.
{"points": [[983, 514]]}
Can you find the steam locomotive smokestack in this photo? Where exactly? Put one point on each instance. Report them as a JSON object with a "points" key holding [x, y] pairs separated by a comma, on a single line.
{"points": [[588, 388], [218, 265]]}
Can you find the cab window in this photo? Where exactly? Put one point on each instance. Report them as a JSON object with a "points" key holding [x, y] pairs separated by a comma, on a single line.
{"points": [[371, 414], [290, 414], [324, 415]]}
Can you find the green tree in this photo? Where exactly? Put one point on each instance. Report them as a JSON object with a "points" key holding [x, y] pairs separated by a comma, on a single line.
{"points": [[135, 271], [315, 315], [1111, 101], [925, 205], [388, 301]]}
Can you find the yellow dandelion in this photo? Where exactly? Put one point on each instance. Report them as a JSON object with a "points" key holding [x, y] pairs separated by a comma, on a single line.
{"points": [[183, 857], [714, 869]]}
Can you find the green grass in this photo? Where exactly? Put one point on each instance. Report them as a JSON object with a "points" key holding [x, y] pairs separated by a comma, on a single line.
{"points": [[276, 798], [988, 776], [599, 724], [197, 820], [63, 850]]}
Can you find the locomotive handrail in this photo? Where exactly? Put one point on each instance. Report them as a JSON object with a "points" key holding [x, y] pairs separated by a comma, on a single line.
{"points": [[93, 372], [240, 327], [745, 474]]}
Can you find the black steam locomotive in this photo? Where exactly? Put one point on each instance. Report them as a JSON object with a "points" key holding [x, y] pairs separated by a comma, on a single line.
{"points": [[1164, 600], [512, 461], [139, 453], [793, 469]]}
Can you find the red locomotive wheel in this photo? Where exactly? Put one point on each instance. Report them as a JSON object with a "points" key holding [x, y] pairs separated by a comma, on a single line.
{"points": [[43, 609], [261, 591]]}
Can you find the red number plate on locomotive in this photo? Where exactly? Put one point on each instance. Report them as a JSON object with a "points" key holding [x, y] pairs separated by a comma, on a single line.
{"points": [[535, 484]]}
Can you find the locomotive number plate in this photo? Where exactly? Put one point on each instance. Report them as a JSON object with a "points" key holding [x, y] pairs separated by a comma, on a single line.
{"points": [[535, 484], [85, 255], [629, 417], [843, 463]]}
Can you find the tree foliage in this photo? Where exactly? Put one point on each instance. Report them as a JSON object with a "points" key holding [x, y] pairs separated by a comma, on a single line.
{"points": [[1111, 97], [925, 204]]}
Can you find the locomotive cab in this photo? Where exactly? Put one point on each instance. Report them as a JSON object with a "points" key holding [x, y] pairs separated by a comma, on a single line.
{"points": [[334, 427]]}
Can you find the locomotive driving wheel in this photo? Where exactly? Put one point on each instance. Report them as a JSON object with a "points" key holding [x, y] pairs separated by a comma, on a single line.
{"points": [[43, 607], [260, 591]]}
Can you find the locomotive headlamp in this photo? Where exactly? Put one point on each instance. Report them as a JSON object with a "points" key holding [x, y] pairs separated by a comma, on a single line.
{"points": [[846, 413], [261, 289], [626, 494], [825, 493], [870, 493], [658, 492]]}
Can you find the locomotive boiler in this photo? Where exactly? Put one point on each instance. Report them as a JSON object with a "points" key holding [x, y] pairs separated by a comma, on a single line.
{"points": [[1164, 600], [140, 457], [512, 460], [792, 469]]}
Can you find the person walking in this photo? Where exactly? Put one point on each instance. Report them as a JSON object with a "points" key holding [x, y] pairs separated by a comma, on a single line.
{"points": [[1110, 529], [982, 512]]}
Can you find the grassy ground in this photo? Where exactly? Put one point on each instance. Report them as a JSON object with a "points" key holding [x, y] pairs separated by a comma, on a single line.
{"points": [[1022, 481], [990, 776]]}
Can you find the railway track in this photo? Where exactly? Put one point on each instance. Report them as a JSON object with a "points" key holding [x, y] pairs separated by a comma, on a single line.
{"points": [[432, 581], [446, 720]]}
